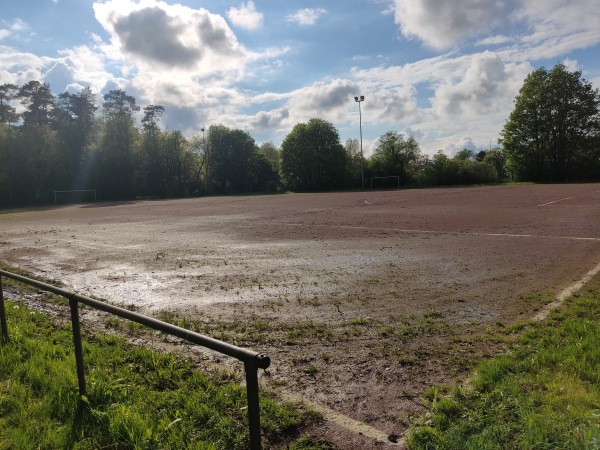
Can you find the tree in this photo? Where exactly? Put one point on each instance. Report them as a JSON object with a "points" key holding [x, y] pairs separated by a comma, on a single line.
{"points": [[464, 155], [179, 163], [38, 101], [271, 153], [553, 132], [312, 157], [396, 155], [75, 123], [152, 169], [496, 159], [352, 147], [115, 157], [229, 159], [8, 113]]}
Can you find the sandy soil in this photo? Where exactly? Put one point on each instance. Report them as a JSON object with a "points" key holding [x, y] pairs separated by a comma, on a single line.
{"points": [[362, 300]]}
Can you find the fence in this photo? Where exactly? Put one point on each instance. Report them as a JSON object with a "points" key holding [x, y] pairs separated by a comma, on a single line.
{"points": [[252, 360]]}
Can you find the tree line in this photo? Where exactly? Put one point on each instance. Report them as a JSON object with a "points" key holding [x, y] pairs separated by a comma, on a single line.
{"points": [[68, 142]]}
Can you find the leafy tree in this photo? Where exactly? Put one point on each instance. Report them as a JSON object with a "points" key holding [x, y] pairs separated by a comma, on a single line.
{"points": [[7, 146], [197, 146], [271, 153], [34, 156], [263, 173], [446, 171], [229, 159], [75, 123], [464, 155], [352, 147], [179, 163], [312, 157], [480, 156], [8, 93], [38, 101], [115, 161], [496, 159], [152, 170], [396, 155], [553, 132]]}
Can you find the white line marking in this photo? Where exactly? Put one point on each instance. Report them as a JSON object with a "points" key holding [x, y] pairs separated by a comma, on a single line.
{"points": [[347, 422], [563, 199], [565, 294], [408, 230], [556, 201]]}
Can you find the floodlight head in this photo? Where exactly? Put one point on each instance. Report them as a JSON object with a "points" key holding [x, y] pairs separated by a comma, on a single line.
{"points": [[362, 97], [355, 99]]}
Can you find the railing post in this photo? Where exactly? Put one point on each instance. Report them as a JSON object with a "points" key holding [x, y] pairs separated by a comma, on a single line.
{"points": [[74, 304], [253, 405], [3, 323]]}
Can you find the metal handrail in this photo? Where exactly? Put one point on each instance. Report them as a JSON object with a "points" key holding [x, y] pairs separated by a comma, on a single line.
{"points": [[252, 360]]}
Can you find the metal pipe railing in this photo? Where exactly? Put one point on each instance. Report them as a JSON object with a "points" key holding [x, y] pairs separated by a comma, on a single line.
{"points": [[252, 360]]}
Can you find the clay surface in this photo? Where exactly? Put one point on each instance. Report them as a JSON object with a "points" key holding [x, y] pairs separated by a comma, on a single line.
{"points": [[363, 300]]}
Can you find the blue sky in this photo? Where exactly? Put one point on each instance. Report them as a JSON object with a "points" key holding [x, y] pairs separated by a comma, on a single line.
{"points": [[443, 71]]}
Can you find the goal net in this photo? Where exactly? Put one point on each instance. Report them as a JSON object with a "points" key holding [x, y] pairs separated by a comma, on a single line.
{"points": [[75, 196]]}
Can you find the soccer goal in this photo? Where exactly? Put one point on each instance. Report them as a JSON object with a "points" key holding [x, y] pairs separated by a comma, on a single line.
{"points": [[75, 196], [386, 182]]}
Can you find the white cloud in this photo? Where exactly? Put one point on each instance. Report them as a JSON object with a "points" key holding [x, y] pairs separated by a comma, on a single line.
{"points": [[488, 86], [442, 24], [167, 38], [328, 100], [494, 40], [306, 16], [246, 16], [4, 34], [185, 59], [550, 18], [19, 25]]}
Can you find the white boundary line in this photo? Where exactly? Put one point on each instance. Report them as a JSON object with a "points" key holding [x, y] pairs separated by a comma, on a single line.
{"points": [[556, 201], [348, 423], [566, 198], [565, 294], [409, 230]]}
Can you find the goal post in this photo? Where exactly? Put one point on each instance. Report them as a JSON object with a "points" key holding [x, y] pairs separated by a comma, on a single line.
{"points": [[75, 195], [397, 177]]}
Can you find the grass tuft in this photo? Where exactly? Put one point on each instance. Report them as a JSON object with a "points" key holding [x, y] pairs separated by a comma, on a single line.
{"points": [[136, 398], [544, 393]]}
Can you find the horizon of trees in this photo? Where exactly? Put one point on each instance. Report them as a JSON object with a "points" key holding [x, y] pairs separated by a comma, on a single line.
{"points": [[67, 142]]}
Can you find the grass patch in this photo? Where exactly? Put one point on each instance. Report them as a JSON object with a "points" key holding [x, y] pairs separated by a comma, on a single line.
{"points": [[137, 398], [542, 394]]}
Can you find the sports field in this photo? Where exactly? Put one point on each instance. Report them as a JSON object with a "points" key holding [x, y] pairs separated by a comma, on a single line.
{"points": [[362, 299]]}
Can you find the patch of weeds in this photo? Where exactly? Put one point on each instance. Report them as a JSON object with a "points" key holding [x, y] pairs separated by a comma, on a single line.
{"points": [[543, 393], [361, 321], [386, 331], [433, 314], [310, 370], [301, 359], [325, 356], [136, 398], [310, 443], [405, 360]]}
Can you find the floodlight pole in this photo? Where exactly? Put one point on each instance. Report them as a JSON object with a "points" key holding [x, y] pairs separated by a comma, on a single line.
{"points": [[362, 169]]}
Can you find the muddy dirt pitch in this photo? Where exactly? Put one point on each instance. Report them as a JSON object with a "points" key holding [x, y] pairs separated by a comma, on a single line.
{"points": [[363, 300]]}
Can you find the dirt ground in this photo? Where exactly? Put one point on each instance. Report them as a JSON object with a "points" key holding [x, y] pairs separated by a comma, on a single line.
{"points": [[363, 300]]}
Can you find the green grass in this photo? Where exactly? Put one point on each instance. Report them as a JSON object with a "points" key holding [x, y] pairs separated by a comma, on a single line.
{"points": [[542, 394], [136, 398]]}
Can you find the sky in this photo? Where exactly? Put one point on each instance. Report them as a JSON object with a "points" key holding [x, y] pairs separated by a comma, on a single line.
{"points": [[443, 71]]}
